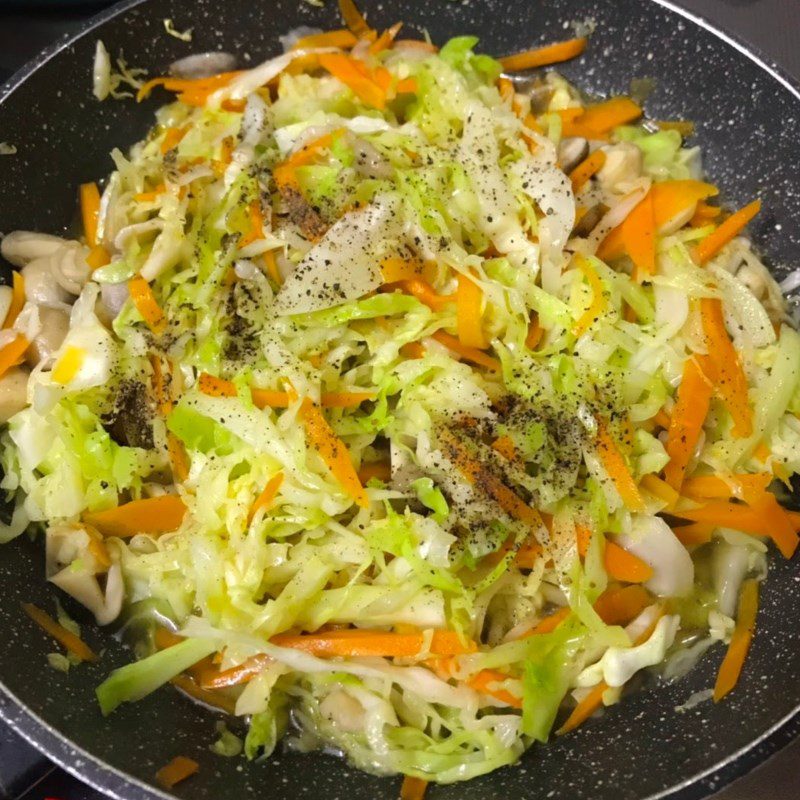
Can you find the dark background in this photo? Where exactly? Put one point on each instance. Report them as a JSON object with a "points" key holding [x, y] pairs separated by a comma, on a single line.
{"points": [[772, 26]]}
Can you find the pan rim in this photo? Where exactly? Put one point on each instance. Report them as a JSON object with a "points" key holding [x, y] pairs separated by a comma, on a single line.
{"points": [[94, 771]]}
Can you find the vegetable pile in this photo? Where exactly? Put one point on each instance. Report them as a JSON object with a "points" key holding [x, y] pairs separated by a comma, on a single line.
{"points": [[399, 411]]}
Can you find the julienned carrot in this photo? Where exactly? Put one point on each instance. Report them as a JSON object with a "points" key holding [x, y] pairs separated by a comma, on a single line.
{"points": [[413, 788], [172, 138], [193, 92], [535, 333], [549, 623], [13, 353], [235, 676], [342, 38], [618, 563], [413, 350], [153, 515], [485, 683], [17, 300], [673, 199], [764, 517], [178, 458], [368, 85], [333, 452], [354, 20], [660, 489], [505, 446], [728, 375], [472, 354], [596, 122], [147, 305], [594, 700], [425, 293], [543, 56], [345, 399], [396, 269], [732, 227], [686, 422], [179, 769], [98, 257], [636, 237], [285, 173], [256, 230], [381, 470], [704, 213], [618, 606], [215, 387], [265, 499], [363, 643], [469, 308], [722, 487], [598, 304], [590, 166], [90, 208], [74, 644], [385, 40], [733, 662], [617, 470]]}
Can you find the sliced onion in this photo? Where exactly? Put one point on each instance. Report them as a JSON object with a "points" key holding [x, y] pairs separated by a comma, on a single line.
{"points": [[202, 65], [617, 215], [290, 39], [791, 281]]}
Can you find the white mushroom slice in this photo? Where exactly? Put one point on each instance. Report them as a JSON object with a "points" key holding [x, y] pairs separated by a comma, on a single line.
{"points": [[13, 393]]}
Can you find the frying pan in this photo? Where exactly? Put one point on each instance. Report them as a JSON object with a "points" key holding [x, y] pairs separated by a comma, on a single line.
{"points": [[746, 113]]}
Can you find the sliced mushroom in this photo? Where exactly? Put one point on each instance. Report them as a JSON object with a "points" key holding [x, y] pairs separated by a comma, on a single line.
{"points": [[21, 247], [54, 326], [13, 393], [40, 286], [590, 220], [571, 151], [114, 297], [623, 164]]}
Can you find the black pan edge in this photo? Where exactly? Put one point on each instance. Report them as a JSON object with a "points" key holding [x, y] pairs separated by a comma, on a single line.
{"points": [[118, 785]]}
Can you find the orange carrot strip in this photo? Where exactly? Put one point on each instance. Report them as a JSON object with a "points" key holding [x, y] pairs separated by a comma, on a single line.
{"points": [[672, 199], [549, 623], [339, 38], [267, 496], [722, 487], [98, 257], [660, 489], [543, 56], [617, 470], [639, 234], [596, 122], [413, 350], [194, 91], [598, 304], [356, 643], [235, 676], [272, 267], [469, 353], [90, 208], [178, 458], [74, 644], [179, 769], [729, 378], [365, 86], [733, 662], [482, 682], [535, 333], [215, 387], [618, 606], [686, 422], [382, 470], [13, 353], [153, 515], [270, 398], [256, 231], [147, 305], [732, 227], [172, 138], [704, 214], [345, 399], [354, 20], [17, 300], [624, 566], [425, 293], [590, 166], [385, 40], [413, 788], [333, 452], [196, 692], [505, 447], [469, 308], [695, 533], [407, 86]]}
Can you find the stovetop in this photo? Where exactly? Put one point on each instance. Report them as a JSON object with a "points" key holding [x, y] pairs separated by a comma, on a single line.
{"points": [[27, 26]]}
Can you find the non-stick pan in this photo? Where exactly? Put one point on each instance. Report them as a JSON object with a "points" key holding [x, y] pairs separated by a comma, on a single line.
{"points": [[747, 115]]}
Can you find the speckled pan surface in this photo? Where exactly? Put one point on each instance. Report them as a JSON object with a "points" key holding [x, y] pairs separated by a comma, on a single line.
{"points": [[747, 122]]}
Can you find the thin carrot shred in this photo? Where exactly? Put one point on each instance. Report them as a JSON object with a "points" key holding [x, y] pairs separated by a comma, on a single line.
{"points": [[355, 643], [271, 398], [732, 664], [272, 267], [732, 227], [153, 515], [333, 452], [726, 367], [535, 332], [235, 676], [345, 399], [620, 605], [214, 386], [256, 231], [590, 166], [209, 698], [17, 300], [617, 470], [98, 257], [639, 234], [413, 788], [90, 209], [672, 199], [13, 353], [385, 40], [147, 305], [660, 489], [483, 683], [597, 122], [618, 563], [549, 623], [413, 350], [267, 496], [178, 458], [598, 303], [192, 92], [543, 56], [686, 422], [179, 769], [505, 446], [74, 644], [747, 487], [172, 138], [704, 213], [469, 309], [364, 83], [425, 293], [354, 20], [407, 86], [469, 353], [342, 38], [382, 470]]}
